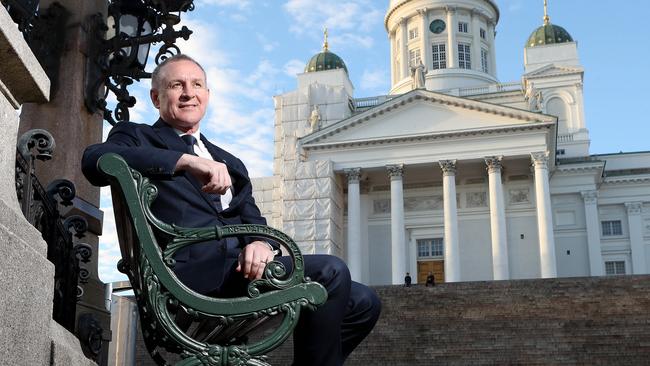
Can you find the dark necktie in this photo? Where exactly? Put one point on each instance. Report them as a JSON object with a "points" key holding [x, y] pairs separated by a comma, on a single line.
{"points": [[190, 141]]}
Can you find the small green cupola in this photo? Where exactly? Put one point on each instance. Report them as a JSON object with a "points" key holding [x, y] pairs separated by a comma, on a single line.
{"points": [[548, 33], [325, 60]]}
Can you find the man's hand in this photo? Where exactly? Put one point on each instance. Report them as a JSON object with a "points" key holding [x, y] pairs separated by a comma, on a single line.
{"points": [[212, 174], [253, 259]]}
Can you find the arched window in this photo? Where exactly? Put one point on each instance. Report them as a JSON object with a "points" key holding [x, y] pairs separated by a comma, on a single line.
{"points": [[557, 107]]}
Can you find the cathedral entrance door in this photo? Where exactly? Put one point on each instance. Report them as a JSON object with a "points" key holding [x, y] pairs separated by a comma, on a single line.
{"points": [[435, 266]]}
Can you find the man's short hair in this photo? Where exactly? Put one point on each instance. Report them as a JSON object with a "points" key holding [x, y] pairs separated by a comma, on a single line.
{"points": [[155, 75]]}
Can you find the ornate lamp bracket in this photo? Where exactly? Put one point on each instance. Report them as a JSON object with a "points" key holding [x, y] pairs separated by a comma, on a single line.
{"points": [[116, 59]]}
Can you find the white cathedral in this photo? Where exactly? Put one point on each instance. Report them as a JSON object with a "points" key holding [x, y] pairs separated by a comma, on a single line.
{"points": [[454, 172]]}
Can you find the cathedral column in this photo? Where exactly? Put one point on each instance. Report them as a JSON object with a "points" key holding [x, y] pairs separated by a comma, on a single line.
{"points": [[544, 215], [451, 37], [398, 245], [492, 51], [393, 70], [476, 41], [635, 227], [404, 49], [452, 251], [590, 199], [425, 45], [354, 223], [499, 234]]}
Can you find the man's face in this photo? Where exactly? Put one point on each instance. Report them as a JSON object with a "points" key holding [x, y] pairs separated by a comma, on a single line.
{"points": [[182, 96]]}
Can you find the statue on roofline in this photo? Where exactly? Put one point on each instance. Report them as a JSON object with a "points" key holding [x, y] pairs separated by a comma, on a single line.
{"points": [[314, 118], [417, 73]]}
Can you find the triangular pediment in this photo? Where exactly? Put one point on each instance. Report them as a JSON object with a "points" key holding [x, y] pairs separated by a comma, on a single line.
{"points": [[553, 70], [421, 113]]}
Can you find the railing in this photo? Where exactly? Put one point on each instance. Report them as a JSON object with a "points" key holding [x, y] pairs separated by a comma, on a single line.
{"points": [[565, 138], [362, 104], [487, 89], [41, 208], [366, 103]]}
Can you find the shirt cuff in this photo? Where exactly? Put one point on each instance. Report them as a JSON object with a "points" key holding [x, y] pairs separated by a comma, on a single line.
{"points": [[275, 251]]}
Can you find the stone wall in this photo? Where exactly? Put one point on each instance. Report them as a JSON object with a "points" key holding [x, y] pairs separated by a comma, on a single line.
{"points": [[28, 335]]}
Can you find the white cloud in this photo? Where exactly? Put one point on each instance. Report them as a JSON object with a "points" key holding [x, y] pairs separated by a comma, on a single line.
{"points": [[240, 4], [352, 38], [294, 67], [263, 76], [266, 44], [237, 10], [346, 20], [374, 80], [203, 34]]}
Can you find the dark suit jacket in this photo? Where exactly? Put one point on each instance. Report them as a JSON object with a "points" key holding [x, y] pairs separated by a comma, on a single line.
{"points": [[154, 151]]}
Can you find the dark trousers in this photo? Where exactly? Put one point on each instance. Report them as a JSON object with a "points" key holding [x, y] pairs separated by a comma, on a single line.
{"points": [[329, 334]]}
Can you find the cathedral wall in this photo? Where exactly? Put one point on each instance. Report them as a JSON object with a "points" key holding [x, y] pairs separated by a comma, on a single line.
{"points": [[564, 54], [263, 189], [333, 103], [523, 246], [379, 253], [475, 249], [572, 255]]}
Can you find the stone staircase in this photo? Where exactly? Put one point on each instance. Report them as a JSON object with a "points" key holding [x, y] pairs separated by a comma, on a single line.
{"points": [[567, 321]]}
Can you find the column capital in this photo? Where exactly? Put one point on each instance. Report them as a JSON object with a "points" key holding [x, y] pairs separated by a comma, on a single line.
{"points": [[493, 163], [422, 11], [353, 174], [539, 159], [634, 208], [450, 9], [395, 171], [448, 167], [476, 11], [590, 197], [403, 21]]}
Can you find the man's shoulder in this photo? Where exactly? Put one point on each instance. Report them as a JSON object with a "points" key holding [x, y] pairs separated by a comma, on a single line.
{"points": [[133, 129], [128, 125]]}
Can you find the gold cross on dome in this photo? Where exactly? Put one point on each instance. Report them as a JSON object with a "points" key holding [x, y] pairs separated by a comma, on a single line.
{"points": [[325, 44], [546, 17]]}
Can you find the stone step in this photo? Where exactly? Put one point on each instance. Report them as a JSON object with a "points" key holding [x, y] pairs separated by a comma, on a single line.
{"points": [[567, 321]]}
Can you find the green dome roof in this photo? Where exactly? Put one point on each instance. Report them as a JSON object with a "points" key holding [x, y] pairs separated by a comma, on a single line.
{"points": [[325, 60], [548, 34]]}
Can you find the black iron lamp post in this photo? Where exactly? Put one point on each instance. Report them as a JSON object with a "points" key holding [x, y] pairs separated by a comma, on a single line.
{"points": [[22, 12], [118, 55]]}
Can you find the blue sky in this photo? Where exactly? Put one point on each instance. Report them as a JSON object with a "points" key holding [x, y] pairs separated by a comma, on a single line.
{"points": [[252, 50]]}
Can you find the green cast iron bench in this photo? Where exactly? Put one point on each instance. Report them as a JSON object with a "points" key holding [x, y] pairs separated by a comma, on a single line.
{"points": [[202, 330]]}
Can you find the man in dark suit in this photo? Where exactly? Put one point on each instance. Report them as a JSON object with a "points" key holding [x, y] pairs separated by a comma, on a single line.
{"points": [[200, 184]]}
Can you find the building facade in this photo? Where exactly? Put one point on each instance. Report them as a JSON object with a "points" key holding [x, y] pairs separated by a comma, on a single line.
{"points": [[453, 172]]}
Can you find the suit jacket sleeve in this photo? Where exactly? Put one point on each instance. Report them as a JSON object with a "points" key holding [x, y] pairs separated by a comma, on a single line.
{"points": [[126, 140]]}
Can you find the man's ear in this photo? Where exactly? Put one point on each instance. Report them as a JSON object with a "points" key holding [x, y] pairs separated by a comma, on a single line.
{"points": [[153, 93]]}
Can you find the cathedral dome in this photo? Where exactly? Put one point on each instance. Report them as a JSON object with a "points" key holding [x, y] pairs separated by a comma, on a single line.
{"points": [[325, 60], [548, 34]]}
